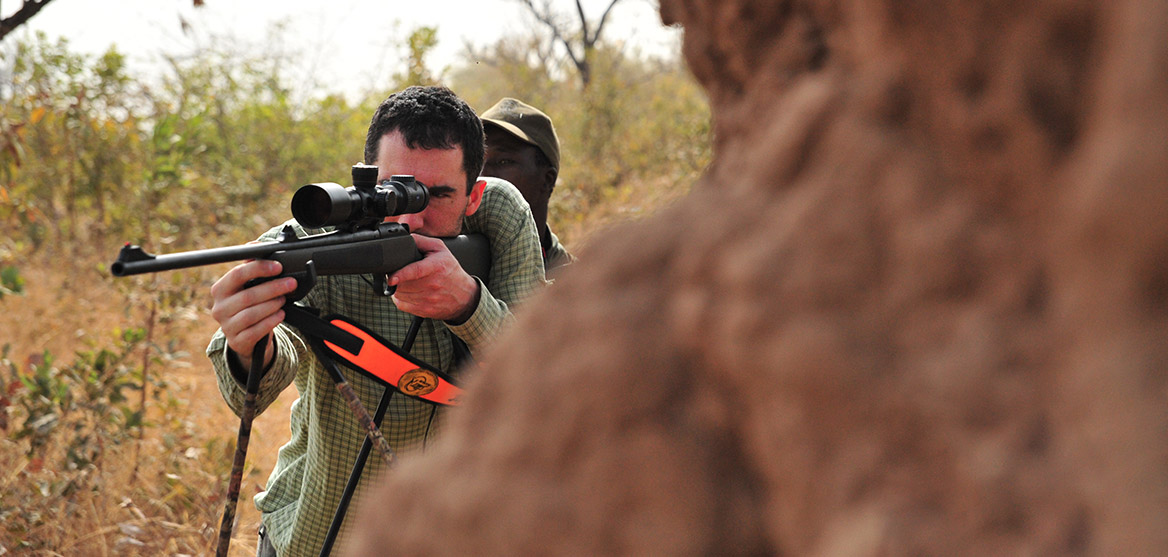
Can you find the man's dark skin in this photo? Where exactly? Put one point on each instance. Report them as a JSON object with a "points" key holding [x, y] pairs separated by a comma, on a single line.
{"points": [[522, 164]]}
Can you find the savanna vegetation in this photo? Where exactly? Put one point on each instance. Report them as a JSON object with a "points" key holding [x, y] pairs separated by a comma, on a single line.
{"points": [[113, 437]]}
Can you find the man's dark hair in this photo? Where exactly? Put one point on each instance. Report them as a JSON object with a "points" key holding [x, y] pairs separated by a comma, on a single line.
{"points": [[430, 118]]}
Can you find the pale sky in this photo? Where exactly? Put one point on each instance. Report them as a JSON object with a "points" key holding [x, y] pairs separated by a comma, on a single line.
{"points": [[341, 44]]}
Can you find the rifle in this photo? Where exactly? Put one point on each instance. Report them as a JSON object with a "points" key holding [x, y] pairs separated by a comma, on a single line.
{"points": [[360, 243], [381, 250]]}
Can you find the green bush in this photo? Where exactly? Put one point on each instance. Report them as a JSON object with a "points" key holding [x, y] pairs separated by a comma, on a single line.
{"points": [[10, 281]]}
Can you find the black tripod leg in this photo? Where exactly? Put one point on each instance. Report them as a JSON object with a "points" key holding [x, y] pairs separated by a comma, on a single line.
{"points": [[246, 416], [359, 466]]}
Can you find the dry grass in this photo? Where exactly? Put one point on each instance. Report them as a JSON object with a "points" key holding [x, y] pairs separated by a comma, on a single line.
{"points": [[159, 494]]}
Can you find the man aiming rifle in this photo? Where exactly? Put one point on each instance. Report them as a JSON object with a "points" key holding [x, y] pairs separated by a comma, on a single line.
{"points": [[429, 133]]}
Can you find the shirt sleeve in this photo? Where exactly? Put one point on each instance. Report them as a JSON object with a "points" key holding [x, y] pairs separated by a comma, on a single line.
{"points": [[278, 376], [516, 261]]}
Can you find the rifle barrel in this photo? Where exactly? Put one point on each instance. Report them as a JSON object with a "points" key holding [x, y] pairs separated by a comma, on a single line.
{"points": [[133, 260]]}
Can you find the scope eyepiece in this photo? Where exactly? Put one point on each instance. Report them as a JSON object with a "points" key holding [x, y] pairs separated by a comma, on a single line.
{"points": [[363, 205], [400, 195]]}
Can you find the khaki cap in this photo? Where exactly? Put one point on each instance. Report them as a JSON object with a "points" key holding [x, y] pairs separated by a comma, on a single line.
{"points": [[527, 123]]}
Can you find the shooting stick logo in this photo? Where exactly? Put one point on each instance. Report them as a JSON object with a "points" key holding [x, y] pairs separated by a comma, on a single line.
{"points": [[418, 382]]}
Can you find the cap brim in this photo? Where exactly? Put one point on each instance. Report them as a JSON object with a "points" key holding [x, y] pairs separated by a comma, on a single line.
{"points": [[511, 129]]}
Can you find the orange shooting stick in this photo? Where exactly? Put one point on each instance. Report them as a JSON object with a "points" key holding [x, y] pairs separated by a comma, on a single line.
{"points": [[385, 362]]}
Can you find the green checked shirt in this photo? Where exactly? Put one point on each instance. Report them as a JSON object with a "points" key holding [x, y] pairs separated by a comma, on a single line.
{"points": [[313, 467]]}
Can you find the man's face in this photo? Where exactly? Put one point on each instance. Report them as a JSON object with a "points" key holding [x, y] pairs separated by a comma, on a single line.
{"points": [[515, 160], [441, 171]]}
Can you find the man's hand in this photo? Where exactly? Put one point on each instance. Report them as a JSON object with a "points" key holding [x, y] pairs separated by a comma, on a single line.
{"points": [[247, 315], [435, 287]]}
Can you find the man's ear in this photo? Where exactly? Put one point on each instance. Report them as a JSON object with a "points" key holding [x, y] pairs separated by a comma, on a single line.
{"points": [[476, 197], [549, 181]]}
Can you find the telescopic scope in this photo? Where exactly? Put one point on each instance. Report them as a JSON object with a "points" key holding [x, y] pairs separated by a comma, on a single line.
{"points": [[363, 205]]}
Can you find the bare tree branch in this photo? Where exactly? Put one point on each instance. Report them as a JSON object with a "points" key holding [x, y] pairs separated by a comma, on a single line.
{"points": [[28, 9], [584, 22], [548, 19], [603, 19], [579, 47]]}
